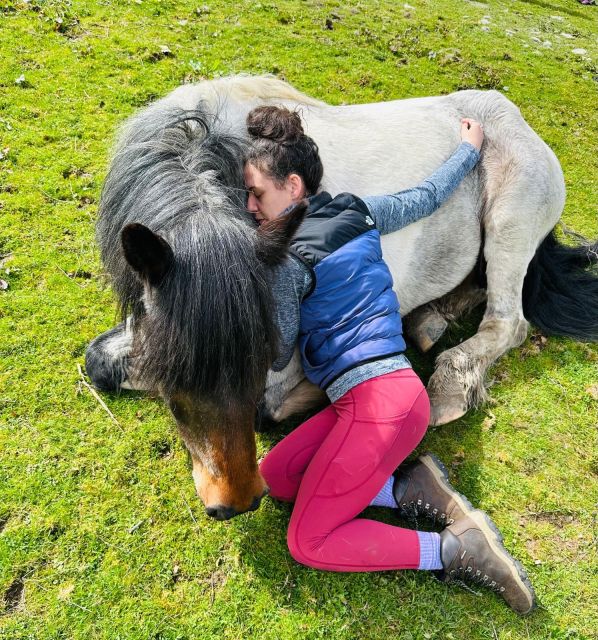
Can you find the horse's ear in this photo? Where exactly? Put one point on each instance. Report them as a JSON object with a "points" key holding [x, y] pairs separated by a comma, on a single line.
{"points": [[274, 236], [147, 253]]}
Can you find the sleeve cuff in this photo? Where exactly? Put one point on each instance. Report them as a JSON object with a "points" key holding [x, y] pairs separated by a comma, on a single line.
{"points": [[471, 149]]}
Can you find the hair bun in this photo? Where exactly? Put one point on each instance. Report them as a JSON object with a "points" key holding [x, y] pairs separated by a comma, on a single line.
{"points": [[275, 123]]}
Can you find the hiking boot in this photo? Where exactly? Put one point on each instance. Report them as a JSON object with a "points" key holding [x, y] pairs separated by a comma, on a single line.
{"points": [[422, 488], [472, 553]]}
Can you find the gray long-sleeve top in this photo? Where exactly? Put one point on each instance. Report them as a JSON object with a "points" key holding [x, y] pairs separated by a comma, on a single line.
{"points": [[292, 280]]}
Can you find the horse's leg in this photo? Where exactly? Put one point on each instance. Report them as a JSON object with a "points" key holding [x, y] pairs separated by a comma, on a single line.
{"points": [[107, 360], [457, 383], [523, 194], [302, 398], [426, 324], [288, 392]]}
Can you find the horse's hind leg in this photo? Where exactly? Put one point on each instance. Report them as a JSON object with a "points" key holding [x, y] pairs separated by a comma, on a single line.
{"points": [[426, 324], [514, 227]]}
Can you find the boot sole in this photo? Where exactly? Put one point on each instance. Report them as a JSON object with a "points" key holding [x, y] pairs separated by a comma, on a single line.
{"points": [[496, 541], [439, 471], [486, 525]]}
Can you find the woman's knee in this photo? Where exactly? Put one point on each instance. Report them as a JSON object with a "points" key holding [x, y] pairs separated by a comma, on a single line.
{"points": [[420, 412], [421, 409], [416, 418], [302, 546]]}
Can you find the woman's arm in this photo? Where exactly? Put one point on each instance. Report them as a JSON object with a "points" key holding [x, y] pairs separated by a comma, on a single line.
{"points": [[290, 282], [395, 211]]}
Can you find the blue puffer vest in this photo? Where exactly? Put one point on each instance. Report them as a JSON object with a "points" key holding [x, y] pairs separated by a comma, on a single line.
{"points": [[352, 314]]}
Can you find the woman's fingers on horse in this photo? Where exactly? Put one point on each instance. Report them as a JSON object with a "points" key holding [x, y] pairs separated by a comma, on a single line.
{"points": [[468, 123], [472, 132]]}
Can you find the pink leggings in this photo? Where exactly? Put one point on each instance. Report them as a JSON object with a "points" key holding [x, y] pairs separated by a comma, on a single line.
{"points": [[336, 462]]}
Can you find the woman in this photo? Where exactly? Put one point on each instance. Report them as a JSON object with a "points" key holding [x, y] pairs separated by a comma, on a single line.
{"points": [[334, 294]]}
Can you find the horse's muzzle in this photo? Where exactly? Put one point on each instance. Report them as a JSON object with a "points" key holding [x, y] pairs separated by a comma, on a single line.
{"points": [[220, 512]]}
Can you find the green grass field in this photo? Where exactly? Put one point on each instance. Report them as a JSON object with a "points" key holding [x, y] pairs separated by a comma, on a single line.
{"points": [[101, 535]]}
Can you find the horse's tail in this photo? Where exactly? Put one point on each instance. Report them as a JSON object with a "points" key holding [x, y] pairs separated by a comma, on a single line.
{"points": [[560, 290]]}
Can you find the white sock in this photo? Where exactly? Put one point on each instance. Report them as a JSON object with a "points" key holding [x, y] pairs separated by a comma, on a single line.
{"points": [[385, 497], [429, 551]]}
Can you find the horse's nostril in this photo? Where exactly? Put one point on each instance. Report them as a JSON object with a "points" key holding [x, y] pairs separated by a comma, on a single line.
{"points": [[221, 513], [256, 501]]}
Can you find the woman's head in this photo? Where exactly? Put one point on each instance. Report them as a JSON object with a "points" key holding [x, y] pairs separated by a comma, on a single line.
{"points": [[283, 164]]}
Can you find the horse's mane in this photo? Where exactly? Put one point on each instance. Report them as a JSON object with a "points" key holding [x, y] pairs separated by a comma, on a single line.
{"points": [[211, 328]]}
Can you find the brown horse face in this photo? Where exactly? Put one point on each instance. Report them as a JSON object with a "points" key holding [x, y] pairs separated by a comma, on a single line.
{"points": [[222, 446], [206, 340]]}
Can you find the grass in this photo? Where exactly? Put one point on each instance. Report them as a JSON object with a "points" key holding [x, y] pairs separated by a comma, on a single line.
{"points": [[101, 535]]}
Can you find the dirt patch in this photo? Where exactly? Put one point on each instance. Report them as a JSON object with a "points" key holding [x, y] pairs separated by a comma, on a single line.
{"points": [[214, 583], [557, 518], [573, 543], [14, 596]]}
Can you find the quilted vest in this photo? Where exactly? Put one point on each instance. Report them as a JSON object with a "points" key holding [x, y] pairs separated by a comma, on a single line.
{"points": [[351, 316]]}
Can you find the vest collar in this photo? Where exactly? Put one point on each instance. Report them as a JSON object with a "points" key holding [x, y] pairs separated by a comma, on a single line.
{"points": [[319, 200], [315, 202]]}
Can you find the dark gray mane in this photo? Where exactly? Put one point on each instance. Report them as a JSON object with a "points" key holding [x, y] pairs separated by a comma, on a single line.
{"points": [[210, 329]]}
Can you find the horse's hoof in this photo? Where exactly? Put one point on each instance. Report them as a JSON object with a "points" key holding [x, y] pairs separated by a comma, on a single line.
{"points": [[455, 386], [446, 411], [445, 407], [427, 333]]}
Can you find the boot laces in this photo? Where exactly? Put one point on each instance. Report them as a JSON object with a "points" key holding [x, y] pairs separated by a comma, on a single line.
{"points": [[462, 575], [415, 508]]}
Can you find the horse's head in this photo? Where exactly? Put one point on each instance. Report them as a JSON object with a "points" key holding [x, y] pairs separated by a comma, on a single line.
{"points": [[206, 339]]}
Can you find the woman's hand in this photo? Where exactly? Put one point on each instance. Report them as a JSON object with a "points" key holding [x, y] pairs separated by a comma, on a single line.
{"points": [[472, 132]]}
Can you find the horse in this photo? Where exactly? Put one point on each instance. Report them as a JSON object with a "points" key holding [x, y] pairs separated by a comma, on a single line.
{"points": [[191, 270]]}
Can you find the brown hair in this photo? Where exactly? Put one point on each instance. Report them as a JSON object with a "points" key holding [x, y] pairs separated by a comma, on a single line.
{"points": [[280, 147]]}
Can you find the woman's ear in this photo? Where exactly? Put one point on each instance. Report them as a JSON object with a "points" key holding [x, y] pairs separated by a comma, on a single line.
{"points": [[296, 186]]}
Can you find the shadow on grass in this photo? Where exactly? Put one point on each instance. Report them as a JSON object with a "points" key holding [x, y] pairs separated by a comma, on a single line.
{"points": [[399, 600]]}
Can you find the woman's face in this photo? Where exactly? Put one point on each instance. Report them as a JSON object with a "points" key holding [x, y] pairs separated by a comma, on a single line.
{"points": [[266, 199]]}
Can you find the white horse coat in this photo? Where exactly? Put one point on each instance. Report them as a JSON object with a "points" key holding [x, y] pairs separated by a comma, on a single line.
{"points": [[505, 206]]}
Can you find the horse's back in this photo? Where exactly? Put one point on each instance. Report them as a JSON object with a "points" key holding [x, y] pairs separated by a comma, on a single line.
{"points": [[385, 147]]}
